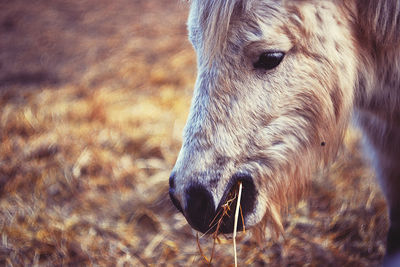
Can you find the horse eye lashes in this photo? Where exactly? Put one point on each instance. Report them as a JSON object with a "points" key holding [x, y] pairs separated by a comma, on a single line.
{"points": [[269, 60]]}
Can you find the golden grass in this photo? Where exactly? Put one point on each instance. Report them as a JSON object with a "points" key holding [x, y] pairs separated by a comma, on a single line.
{"points": [[92, 106]]}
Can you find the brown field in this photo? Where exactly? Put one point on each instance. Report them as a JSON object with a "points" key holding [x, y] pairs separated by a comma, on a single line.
{"points": [[93, 99]]}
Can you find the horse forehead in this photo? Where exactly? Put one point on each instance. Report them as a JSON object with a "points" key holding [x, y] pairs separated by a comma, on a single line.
{"points": [[213, 21], [204, 13]]}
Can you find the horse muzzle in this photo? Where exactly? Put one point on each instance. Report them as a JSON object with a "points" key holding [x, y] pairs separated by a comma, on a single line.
{"points": [[203, 215]]}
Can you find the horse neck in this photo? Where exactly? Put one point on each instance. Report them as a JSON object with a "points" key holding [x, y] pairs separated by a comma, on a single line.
{"points": [[378, 91]]}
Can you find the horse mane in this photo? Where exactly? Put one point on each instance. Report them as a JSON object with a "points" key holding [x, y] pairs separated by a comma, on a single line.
{"points": [[380, 20], [215, 17]]}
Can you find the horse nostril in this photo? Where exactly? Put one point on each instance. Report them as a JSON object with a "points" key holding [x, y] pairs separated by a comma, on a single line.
{"points": [[174, 200], [172, 181], [200, 208], [172, 192]]}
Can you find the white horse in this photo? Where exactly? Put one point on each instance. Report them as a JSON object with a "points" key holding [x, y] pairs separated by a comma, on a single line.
{"points": [[277, 82]]}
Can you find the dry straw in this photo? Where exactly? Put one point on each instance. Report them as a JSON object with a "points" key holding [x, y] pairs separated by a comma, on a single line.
{"points": [[218, 219], [236, 220]]}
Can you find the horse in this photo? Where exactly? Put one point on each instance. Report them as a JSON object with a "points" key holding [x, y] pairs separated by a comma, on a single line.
{"points": [[277, 84]]}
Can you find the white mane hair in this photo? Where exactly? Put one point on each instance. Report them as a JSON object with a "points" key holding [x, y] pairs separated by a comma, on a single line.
{"points": [[214, 17]]}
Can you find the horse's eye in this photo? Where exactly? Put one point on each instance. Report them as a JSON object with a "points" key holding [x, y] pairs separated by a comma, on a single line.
{"points": [[269, 60]]}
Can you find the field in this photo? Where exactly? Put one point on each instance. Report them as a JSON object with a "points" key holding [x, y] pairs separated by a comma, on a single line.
{"points": [[93, 99]]}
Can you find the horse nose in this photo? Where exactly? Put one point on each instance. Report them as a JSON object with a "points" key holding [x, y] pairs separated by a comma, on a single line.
{"points": [[200, 208], [172, 193]]}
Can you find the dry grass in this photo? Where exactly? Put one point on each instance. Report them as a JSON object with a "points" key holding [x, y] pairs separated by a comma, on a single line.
{"points": [[93, 99], [225, 212]]}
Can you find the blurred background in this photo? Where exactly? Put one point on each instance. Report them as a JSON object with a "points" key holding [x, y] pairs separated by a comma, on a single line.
{"points": [[93, 100]]}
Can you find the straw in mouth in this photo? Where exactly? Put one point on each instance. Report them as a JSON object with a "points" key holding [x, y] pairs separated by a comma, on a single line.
{"points": [[225, 211]]}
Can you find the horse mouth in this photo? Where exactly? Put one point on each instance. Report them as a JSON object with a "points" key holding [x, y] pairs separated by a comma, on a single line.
{"points": [[224, 219]]}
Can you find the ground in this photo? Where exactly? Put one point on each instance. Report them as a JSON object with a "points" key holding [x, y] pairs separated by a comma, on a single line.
{"points": [[93, 99]]}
